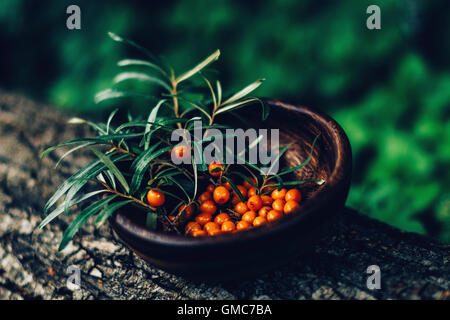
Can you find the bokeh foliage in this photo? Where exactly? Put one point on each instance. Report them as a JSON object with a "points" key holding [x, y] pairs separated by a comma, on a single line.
{"points": [[388, 88]]}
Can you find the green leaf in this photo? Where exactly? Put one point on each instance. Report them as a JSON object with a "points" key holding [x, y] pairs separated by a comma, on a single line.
{"points": [[108, 211], [235, 189], [151, 220], [138, 62], [81, 218], [52, 215], [304, 163], [243, 176], [139, 76], [111, 166], [278, 157], [251, 87], [111, 116], [151, 119], [91, 168], [73, 150], [194, 169], [141, 163], [213, 57], [115, 94]]}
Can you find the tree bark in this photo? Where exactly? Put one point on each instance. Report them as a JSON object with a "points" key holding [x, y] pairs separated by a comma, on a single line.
{"points": [[412, 266]]}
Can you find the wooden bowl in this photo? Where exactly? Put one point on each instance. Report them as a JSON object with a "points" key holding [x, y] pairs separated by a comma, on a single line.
{"points": [[248, 253]]}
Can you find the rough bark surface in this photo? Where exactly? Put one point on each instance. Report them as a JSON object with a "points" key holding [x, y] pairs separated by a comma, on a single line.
{"points": [[412, 266]]}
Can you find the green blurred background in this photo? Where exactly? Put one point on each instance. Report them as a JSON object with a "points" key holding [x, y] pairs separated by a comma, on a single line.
{"points": [[388, 88]]}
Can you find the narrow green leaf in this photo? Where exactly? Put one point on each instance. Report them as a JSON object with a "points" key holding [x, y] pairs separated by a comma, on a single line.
{"points": [[151, 119], [243, 176], [52, 215], [139, 76], [108, 211], [73, 150], [138, 62], [213, 57], [251, 87], [115, 94], [111, 166], [141, 163], [111, 116], [151, 220], [81, 218], [237, 105]]}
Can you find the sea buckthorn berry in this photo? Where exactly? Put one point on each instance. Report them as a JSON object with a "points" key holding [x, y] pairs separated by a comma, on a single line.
{"points": [[243, 225], [208, 206], [204, 197], [264, 211], [259, 221], [252, 192], [278, 205], [241, 208], [180, 152], [209, 226], [214, 165], [192, 226], [221, 218], [243, 191], [210, 188], [254, 203], [187, 210], [249, 216], [291, 206], [215, 232], [266, 200], [199, 233], [279, 194], [155, 198], [221, 195], [274, 215], [248, 185], [203, 218], [293, 195], [228, 226]]}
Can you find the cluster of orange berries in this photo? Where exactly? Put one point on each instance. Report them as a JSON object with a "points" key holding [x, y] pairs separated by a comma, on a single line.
{"points": [[255, 211]]}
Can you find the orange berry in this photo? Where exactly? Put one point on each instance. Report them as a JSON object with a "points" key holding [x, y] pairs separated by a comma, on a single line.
{"points": [[278, 205], [214, 165], [249, 216], [241, 208], [155, 198], [291, 206], [203, 218], [192, 226], [221, 218], [274, 215], [199, 233], [215, 232], [242, 190], [279, 194], [264, 211], [248, 185], [228, 226], [180, 152], [243, 225], [209, 226], [210, 188], [204, 197], [293, 195], [221, 195], [254, 203], [252, 192], [208, 206], [266, 200], [259, 221], [187, 210]]}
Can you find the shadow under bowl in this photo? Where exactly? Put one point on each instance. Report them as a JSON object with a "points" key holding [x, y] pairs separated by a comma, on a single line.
{"points": [[246, 254]]}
